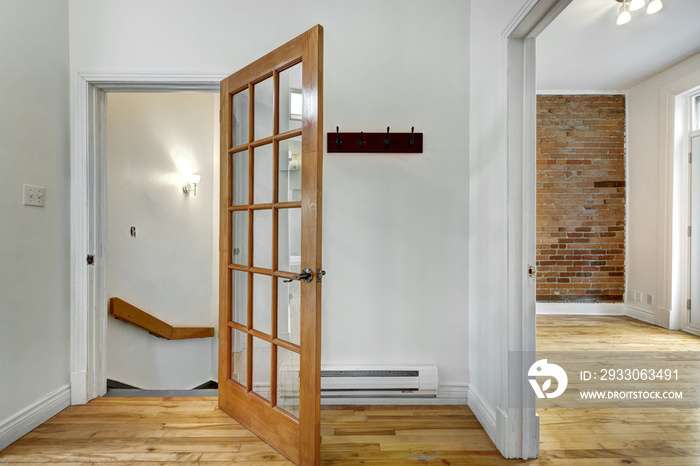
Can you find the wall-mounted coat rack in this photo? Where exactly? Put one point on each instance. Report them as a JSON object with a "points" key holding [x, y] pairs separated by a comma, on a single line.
{"points": [[375, 142]]}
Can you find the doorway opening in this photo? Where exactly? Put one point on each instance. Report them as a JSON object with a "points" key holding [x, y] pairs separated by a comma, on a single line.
{"points": [[612, 336], [161, 250], [89, 224]]}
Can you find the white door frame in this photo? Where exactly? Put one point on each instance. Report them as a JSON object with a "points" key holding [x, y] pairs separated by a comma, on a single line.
{"points": [[684, 247], [89, 214], [520, 437], [674, 146]]}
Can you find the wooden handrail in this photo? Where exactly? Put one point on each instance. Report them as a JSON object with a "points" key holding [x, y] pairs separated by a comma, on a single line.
{"points": [[122, 310]]}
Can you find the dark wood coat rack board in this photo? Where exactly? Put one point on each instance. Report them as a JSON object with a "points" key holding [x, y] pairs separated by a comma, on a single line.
{"points": [[386, 142]]}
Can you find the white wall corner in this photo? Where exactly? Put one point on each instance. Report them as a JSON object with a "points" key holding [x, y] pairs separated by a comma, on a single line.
{"points": [[15, 427], [484, 413], [580, 309], [638, 313]]}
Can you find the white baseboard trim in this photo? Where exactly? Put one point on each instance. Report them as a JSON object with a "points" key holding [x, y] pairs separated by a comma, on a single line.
{"points": [[15, 427], [447, 394], [78, 384], [657, 316], [457, 392], [580, 309], [483, 412], [662, 318], [638, 313]]}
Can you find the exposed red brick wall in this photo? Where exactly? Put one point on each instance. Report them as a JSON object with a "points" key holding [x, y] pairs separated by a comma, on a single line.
{"points": [[580, 197]]}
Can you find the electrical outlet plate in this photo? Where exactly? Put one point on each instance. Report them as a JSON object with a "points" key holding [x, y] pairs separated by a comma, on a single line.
{"points": [[34, 195], [650, 299]]}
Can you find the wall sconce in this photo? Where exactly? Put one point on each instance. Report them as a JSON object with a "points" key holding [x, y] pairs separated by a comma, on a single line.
{"points": [[190, 184]]}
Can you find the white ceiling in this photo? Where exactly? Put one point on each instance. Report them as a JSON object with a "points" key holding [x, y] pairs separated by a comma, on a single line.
{"points": [[584, 50]]}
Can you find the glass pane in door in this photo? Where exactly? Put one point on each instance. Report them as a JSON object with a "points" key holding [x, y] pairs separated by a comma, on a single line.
{"points": [[262, 303], [289, 311], [239, 298], [240, 178], [239, 237], [289, 240], [262, 176], [239, 120], [261, 367], [263, 108], [290, 170], [288, 381], [262, 238], [239, 356], [291, 102]]}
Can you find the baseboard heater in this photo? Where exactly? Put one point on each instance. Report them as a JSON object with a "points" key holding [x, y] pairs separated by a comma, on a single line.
{"points": [[379, 382]]}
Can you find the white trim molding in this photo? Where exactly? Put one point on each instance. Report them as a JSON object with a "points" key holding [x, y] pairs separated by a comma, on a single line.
{"points": [[581, 309], [674, 146], [31, 417], [515, 428], [483, 411], [453, 393], [645, 315], [88, 213]]}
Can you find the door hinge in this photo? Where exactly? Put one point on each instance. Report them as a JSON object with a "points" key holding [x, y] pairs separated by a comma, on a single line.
{"points": [[90, 259], [690, 157], [689, 305], [690, 231], [531, 271]]}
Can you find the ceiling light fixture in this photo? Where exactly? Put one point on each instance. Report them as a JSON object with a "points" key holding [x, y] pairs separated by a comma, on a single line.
{"points": [[654, 6], [636, 4], [624, 16]]}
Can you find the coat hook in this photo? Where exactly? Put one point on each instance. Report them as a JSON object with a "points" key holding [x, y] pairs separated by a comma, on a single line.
{"points": [[362, 135], [386, 141], [337, 136], [411, 141]]}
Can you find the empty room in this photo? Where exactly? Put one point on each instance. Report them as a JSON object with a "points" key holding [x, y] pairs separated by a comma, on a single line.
{"points": [[314, 232]]}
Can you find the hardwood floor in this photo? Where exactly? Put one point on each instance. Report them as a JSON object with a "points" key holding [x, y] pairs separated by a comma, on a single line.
{"points": [[189, 431], [608, 333]]}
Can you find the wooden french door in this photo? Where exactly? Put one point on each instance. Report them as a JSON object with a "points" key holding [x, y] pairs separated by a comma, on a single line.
{"points": [[270, 247]]}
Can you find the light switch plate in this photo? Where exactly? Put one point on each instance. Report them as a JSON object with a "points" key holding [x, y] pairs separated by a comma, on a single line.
{"points": [[34, 195]]}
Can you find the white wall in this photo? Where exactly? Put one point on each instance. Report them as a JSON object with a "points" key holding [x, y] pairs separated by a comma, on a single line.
{"points": [[34, 242], [153, 140], [395, 226], [651, 141]]}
